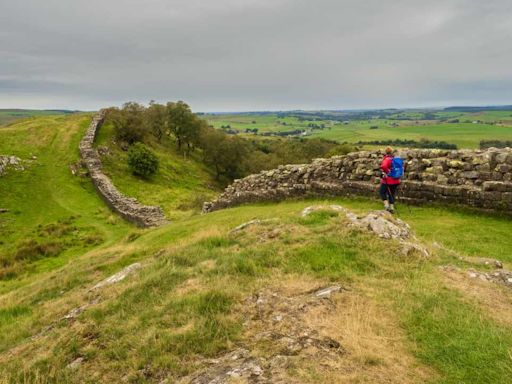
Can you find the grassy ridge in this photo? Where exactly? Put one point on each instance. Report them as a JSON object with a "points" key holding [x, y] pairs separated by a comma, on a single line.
{"points": [[184, 302], [188, 301]]}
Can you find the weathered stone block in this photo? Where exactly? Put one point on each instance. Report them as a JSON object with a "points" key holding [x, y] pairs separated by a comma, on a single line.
{"points": [[470, 175]]}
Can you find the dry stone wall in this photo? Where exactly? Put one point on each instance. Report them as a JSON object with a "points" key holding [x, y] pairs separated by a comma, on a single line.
{"points": [[128, 207], [475, 178]]}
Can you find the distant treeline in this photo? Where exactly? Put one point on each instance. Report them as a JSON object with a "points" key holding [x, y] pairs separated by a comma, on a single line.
{"points": [[340, 116], [480, 109], [411, 143], [484, 144]]}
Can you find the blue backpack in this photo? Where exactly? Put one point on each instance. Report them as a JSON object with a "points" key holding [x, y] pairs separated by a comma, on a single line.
{"points": [[397, 168]]}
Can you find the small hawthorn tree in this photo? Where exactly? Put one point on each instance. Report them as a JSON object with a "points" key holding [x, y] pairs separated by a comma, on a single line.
{"points": [[180, 121], [128, 122], [155, 119], [142, 161]]}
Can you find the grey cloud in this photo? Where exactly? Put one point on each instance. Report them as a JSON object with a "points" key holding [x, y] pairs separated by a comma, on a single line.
{"points": [[255, 54]]}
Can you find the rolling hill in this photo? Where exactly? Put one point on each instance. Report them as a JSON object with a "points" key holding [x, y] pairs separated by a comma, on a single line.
{"points": [[258, 293]]}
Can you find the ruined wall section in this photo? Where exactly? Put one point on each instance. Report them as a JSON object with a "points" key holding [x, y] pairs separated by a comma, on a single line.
{"points": [[128, 207], [475, 178]]}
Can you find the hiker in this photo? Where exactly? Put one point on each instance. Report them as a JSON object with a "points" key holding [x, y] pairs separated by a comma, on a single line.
{"points": [[392, 170]]}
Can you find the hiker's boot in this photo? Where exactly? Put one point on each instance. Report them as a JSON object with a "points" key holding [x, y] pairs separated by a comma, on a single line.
{"points": [[391, 208], [386, 205]]}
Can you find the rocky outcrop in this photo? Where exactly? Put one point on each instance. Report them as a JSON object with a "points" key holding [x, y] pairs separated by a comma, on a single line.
{"points": [[12, 162], [128, 207], [499, 276], [474, 178], [278, 323], [381, 223]]}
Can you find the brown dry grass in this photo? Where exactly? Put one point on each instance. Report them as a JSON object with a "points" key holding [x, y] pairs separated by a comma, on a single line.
{"points": [[377, 350], [494, 299]]}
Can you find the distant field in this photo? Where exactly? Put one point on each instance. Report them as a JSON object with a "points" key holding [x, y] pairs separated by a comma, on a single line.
{"points": [[465, 129], [10, 115]]}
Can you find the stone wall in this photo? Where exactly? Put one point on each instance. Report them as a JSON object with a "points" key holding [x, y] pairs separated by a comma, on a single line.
{"points": [[128, 207], [475, 178]]}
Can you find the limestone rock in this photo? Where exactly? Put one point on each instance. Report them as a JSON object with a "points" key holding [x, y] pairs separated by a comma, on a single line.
{"points": [[326, 292], [248, 224], [382, 223], [121, 275], [75, 363], [308, 210], [10, 162]]}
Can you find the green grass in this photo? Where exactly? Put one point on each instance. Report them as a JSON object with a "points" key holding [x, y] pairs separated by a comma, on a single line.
{"points": [[463, 134], [47, 194], [186, 302], [146, 323], [454, 337]]}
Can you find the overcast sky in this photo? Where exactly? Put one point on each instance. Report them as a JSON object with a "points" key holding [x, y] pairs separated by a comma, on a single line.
{"points": [[229, 55]]}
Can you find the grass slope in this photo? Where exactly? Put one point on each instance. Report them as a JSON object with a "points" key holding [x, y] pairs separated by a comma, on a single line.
{"points": [[187, 300], [46, 203], [180, 186], [402, 320]]}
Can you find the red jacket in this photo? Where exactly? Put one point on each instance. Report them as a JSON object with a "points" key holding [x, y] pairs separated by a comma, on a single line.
{"points": [[386, 167]]}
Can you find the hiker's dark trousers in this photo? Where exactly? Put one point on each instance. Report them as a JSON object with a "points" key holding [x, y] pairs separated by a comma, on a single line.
{"points": [[388, 192]]}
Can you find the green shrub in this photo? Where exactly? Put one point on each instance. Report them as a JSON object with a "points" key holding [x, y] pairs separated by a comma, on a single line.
{"points": [[141, 160]]}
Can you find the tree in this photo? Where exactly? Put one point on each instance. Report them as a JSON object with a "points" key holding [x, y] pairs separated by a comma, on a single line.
{"points": [[227, 154], [128, 122], [182, 123], [155, 120], [210, 142], [192, 134], [141, 160]]}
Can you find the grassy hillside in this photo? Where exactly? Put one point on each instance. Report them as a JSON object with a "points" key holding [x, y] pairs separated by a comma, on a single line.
{"points": [[51, 212], [180, 186], [402, 320], [203, 291]]}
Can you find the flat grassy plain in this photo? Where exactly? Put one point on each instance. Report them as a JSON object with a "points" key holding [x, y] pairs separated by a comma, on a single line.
{"points": [[465, 134], [402, 319]]}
